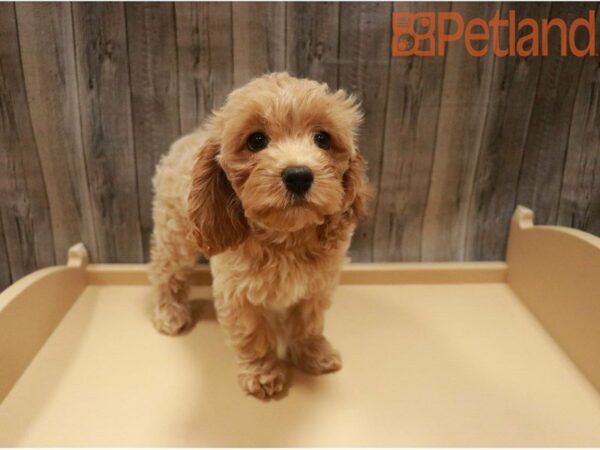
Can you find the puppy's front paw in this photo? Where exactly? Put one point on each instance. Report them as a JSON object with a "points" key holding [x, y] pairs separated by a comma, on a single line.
{"points": [[316, 356], [172, 318], [261, 381]]}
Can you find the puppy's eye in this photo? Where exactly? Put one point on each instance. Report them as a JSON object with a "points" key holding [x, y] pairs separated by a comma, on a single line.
{"points": [[323, 140], [257, 141]]}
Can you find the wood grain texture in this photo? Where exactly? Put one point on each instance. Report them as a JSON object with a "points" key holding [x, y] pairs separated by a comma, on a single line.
{"points": [[205, 54], [365, 41], [462, 118], [5, 277], [312, 40], [151, 37], [258, 39], [105, 105], [540, 176], [92, 94], [501, 148], [24, 208], [413, 104], [48, 57], [580, 191]]}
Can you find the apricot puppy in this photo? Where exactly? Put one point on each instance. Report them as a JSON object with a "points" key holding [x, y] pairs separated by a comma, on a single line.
{"points": [[270, 188]]}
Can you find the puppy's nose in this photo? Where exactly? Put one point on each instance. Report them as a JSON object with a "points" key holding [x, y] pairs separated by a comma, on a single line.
{"points": [[297, 179]]}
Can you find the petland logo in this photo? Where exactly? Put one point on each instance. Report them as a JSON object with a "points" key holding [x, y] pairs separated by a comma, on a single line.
{"points": [[426, 34]]}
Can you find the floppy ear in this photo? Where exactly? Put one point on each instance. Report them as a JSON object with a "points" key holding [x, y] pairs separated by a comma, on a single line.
{"points": [[213, 205], [358, 190]]}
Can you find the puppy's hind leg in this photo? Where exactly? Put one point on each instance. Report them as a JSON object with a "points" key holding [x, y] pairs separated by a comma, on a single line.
{"points": [[170, 265]]}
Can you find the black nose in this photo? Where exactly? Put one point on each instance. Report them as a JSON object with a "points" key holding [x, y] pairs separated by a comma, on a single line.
{"points": [[297, 179]]}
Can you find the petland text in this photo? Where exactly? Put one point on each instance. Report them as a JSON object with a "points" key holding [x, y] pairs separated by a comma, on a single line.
{"points": [[426, 34]]}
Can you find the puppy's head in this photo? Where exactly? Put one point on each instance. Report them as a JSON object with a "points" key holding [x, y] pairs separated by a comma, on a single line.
{"points": [[280, 154]]}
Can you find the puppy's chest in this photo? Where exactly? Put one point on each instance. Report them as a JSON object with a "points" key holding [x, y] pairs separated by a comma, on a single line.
{"points": [[278, 279], [287, 279]]}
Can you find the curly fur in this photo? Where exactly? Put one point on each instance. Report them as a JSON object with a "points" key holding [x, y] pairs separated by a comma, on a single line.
{"points": [[275, 259]]}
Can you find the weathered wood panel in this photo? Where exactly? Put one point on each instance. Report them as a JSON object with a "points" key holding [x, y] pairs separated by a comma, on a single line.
{"points": [[48, 58], [151, 37], [24, 207], [258, 39], [580, 192], [512, 98], [105, 105], [5, 277], [312, 40], [365, 49], [92, 94], [205, 53], [413, 104], [540, 177], [463, 111]]}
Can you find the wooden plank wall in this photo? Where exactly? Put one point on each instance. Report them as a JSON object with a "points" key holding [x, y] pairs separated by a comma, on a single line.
{"points": [[91, 95]]}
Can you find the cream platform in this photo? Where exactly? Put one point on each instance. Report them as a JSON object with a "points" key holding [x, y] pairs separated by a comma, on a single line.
{"points": [[471, 354]]}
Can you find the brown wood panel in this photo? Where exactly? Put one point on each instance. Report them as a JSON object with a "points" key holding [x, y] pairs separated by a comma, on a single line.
{"points": [[541, 173], [312, 40], [205, 54], [5, 278], [151, 37], [258, 39], [92, 94], [24, 210], [463, 113], [365, 41], [501, 147], [48, 57], [413, 104], [105, 104], [580, 193]]}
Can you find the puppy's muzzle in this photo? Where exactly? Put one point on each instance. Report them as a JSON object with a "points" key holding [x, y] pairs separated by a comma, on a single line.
{"points": [[297, 180]]}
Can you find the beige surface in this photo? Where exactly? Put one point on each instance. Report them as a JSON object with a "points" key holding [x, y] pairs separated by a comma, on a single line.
{"points": [[354, 273], [424, 365], [555, 271], [29, 312], [435, 354]]}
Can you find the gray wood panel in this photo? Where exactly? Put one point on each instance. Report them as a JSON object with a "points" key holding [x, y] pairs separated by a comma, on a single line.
{"points": [[365, 48], [24, 210], [48, 58], [151, 37], [205, 54], [462, 118], [105, 104], [580, 191], [92, 94], [312, 40], [414, 96], [540, 177], [512, 97], [5, 277], [258, 39]]}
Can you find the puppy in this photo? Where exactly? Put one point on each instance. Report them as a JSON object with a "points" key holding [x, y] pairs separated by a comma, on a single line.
{"points": [[271, 189]]}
